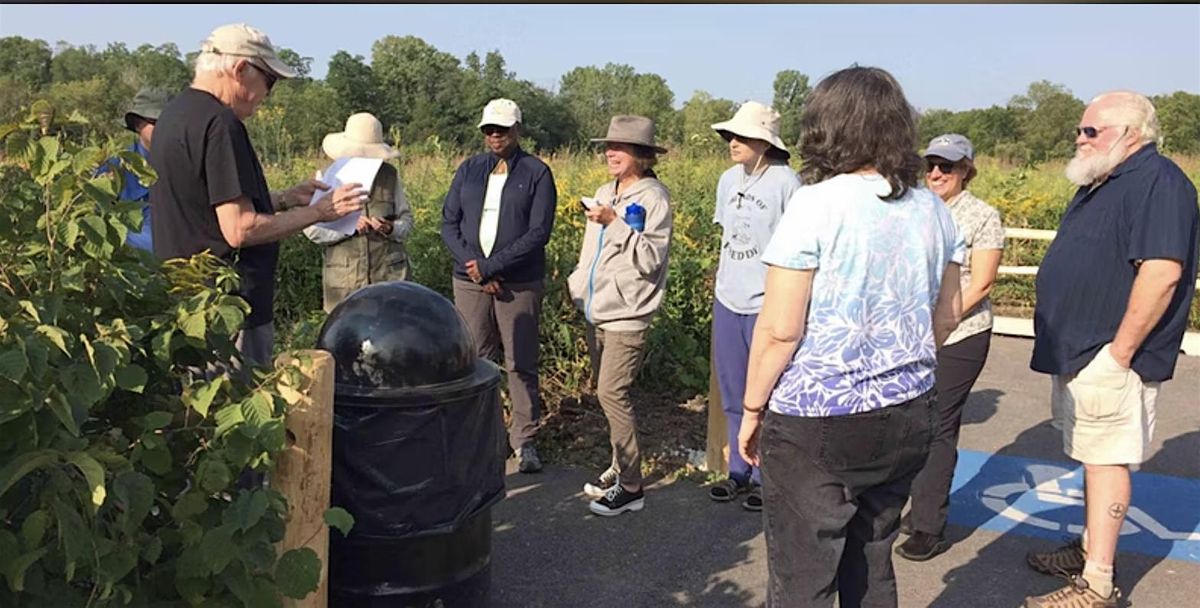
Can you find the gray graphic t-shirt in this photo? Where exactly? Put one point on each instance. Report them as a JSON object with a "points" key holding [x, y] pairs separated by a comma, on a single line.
{"points": [[979, 224], [748, 209]]}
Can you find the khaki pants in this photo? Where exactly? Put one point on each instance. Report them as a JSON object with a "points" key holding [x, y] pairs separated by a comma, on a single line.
{"points": [[1107, 412], [509, 321], [616, 357]]}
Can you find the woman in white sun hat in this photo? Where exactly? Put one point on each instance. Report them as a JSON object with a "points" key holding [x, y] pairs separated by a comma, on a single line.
{"points": [[375, 252], [751, 197]]}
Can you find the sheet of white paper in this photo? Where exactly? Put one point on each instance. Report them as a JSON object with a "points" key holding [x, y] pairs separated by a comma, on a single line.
{"points": [[347, 171]]}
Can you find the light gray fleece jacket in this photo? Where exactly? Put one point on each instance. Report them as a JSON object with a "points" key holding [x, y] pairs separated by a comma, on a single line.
{"points": [[621, 276]]}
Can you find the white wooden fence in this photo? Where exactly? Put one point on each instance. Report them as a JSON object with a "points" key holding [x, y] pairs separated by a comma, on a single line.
{"points": [[1016, 326]]}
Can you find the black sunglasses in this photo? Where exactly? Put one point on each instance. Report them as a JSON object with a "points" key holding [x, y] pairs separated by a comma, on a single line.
{"points": [[1091, 132], [271, 78], [494, 130], [945, 167]]}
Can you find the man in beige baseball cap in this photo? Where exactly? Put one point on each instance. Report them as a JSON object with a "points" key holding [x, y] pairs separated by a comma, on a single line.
{"points": [[211, 192]]}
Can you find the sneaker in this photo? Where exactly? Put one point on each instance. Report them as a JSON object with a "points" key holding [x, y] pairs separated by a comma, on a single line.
{"points": [[1077, 594], [921, 546], [597, 487], [618, 500], [1066, 560], [530, 463]]}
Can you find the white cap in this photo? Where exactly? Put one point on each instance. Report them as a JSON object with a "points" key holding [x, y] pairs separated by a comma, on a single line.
{"points": [[241, 40], [501, 112]]}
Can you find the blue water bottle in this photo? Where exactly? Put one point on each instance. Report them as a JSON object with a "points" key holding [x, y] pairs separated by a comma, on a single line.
{"points": [[635, 216]]}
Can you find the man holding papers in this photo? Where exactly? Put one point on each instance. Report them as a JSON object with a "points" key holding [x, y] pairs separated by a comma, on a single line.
{"points": [[211, 193]]}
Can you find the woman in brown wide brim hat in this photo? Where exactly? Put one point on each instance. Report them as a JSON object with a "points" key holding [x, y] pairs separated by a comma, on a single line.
{"points": [[618, 284], [376, 251]]}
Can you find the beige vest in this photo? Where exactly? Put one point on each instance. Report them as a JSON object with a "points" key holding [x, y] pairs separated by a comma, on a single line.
{"points": [[364, 259]]}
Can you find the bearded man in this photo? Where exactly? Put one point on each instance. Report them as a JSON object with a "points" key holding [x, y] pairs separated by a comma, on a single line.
{"points": [[1113, 295]]}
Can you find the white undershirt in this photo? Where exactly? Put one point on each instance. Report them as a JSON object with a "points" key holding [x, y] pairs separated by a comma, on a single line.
{"points": [[490, 220]]}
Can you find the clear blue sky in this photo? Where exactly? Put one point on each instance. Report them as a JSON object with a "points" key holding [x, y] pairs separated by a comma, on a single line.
{"points": [[945, 56]]}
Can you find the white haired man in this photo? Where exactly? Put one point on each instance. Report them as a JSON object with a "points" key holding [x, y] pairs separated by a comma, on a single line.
{"points": [[211, 192], [1113, 295]]}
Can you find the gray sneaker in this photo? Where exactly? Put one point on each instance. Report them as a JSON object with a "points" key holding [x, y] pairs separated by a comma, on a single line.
{"points": [[530, 463]]}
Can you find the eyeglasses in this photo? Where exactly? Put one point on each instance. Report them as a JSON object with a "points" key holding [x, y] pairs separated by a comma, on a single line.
{"points": [[270, 78], [945, 167], [1092, 132], [490, 130]]}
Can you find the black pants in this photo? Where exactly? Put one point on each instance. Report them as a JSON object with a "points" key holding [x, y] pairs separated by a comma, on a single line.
{"points": [[958, 367], [833, 489]]}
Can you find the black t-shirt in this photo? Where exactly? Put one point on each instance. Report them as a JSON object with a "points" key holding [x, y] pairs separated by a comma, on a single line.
{"points": [[204, 158]]}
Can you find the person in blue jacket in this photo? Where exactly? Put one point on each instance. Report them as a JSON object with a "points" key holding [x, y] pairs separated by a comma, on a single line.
{"points": [[141, 118], [496, 221]]}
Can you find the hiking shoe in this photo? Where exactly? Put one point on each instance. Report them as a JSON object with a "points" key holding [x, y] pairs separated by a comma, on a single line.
{"points": [[618, 500], [598, 486], [1066, 560], [530, 463], [754, 501], [1077, 594], [921, 546]]}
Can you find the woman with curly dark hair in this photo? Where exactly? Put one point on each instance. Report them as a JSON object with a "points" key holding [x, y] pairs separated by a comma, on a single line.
{"points": [[862, 288]]}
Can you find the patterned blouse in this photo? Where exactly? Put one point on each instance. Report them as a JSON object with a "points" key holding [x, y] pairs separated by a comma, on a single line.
{"points": [[979, 224]]}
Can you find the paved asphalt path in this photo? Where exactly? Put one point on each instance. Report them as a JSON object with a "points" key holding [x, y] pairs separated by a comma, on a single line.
{"points": [[685, 550]]}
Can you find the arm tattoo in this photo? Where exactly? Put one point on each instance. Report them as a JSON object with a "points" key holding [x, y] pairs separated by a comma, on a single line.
{"points": [[1117, 510]]}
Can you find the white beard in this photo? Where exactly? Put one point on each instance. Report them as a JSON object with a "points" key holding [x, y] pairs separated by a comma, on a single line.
{"points": [[1087, 170]]}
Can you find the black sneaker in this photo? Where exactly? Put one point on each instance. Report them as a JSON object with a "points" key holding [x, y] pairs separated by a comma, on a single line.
{"points": [[598, 486], [618, 500], [921, 546]]}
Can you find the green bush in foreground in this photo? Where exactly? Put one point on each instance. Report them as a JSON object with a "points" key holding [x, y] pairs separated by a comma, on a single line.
{"points": [[119, 448]]}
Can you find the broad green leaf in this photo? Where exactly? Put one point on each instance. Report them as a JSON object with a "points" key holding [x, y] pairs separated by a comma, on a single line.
{"points": [[30, 310], [57, 336], [15, 570], [152, 550], [191, 588], [256, 410], [132, 378], [49, 147], [194, 325], [157, 459], [228, 418], [118, 563], [218, 548], [337, 517], [213, 475], [21, 465], [202, 398], [155, 420], [82, 385], [298, 572], [191, 505], [13, 363], [75, 537], [250, 508], [68, 233], [93, 472], [57, 402], [33, 529], [134, 493]]}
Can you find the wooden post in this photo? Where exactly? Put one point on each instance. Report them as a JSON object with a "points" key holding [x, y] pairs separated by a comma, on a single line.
{"points": [[716, 452], [303, 470]]}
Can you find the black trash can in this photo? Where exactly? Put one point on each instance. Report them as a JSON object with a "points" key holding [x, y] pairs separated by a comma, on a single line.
{"points": [[416, 451]]}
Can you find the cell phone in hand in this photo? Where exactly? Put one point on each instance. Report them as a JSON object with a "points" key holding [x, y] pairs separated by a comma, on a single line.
{"points": [[588, 203]]}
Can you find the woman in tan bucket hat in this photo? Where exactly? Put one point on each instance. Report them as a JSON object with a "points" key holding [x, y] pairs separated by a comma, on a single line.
{"points": [[751, 197], [619, 285], [376, 251]]}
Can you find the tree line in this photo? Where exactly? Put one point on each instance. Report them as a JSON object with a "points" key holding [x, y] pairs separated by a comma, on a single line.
{"points": [[427, 97]]}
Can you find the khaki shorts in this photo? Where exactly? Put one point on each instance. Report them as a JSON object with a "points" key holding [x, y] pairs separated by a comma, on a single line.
{"points": [[1106, 412]]}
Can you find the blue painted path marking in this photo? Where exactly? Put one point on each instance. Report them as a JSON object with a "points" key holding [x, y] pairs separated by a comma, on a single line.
{"points": [[1045, 498]]}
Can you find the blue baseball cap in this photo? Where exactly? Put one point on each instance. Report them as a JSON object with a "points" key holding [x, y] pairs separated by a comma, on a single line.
{"points": [[951, 146]]}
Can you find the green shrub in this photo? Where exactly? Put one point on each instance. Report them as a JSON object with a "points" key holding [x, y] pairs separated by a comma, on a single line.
{"points": [[120, 442]]}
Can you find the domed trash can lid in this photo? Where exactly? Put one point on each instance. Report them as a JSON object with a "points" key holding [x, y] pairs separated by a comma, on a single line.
{"points": [[399, 338]]}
